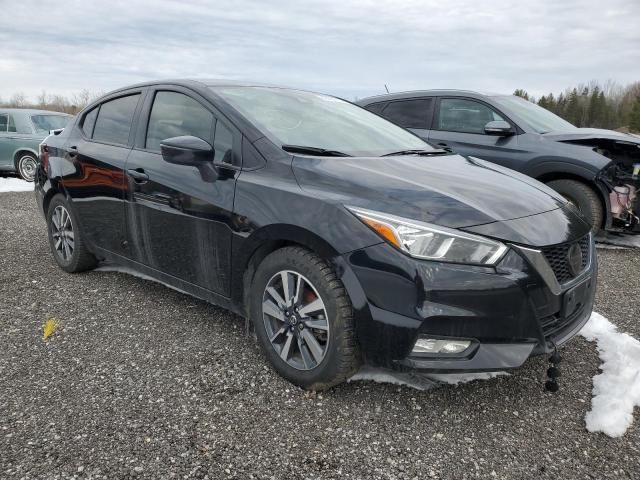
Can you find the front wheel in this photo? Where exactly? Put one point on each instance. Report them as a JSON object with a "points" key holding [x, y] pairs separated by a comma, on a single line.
{"points": [[304, 319], [27, 166], [65, 239], [584, 198]]}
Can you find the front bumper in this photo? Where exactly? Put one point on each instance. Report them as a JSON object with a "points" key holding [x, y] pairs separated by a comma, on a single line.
{"points": [[509, 312]]}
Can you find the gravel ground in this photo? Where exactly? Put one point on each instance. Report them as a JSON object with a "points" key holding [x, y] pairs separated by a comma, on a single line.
{"points": [[142, 381]]}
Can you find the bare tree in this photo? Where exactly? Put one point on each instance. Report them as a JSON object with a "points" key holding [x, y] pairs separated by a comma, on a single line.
{"points": [[81, 100], [42, 99], [18, 100]]}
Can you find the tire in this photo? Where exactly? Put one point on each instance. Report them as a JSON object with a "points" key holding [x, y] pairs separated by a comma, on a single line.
{"points": [[304, 366], [26, 166], [584, 198], [65, 239]]}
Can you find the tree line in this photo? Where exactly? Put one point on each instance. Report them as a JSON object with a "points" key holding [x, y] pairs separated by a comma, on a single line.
{"points": [[71, 104], [595, 105]]}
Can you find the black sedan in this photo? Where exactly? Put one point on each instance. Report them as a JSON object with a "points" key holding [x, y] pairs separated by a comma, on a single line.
{"points": [[342, 237], [597, 170]]}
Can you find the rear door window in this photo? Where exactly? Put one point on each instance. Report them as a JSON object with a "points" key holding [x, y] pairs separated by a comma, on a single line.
{"points": [[115, 117], [465, 116], [412, 113], [4, 120], [376, 107], [89, 122], [174, 114]]}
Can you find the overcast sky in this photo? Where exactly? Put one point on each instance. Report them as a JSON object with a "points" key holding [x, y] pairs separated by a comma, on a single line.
{"points": [[347, 48]]}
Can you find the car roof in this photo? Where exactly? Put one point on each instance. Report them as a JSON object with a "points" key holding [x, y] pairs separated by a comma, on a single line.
{"points": [[200, 82], [32, 111], [427, 93]]}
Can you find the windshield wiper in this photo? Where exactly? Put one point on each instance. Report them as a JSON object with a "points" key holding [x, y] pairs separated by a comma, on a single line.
{"points": [[313, 151], [425, 153]]}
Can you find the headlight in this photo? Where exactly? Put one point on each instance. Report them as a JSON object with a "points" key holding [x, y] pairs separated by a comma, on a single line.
{"points": [[432, 242]]}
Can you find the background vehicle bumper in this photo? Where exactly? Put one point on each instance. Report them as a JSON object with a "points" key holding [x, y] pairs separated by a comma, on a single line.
{"points": [[508, 312]]}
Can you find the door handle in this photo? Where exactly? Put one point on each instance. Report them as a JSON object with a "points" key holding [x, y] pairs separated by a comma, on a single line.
{"points": [[442, 144], [138, 175], [73, 151]]}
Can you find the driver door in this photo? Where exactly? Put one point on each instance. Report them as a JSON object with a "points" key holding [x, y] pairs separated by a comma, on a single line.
{"points": [[177, 218], [459, 123]]}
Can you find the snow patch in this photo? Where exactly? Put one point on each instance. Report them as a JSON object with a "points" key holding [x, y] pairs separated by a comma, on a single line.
{"points": [[616, 391], [419, 381], [611, 241], [11, 184], [380, 375], [458, 378]]}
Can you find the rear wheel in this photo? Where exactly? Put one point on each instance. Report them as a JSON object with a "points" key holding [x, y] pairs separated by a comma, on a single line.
{"points": [[304, 319], [26, 166], [584, 198], [66, 241]]}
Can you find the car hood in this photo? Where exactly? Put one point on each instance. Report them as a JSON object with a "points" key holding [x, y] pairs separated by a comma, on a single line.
{"points": [[448, 190], [580, 134]]}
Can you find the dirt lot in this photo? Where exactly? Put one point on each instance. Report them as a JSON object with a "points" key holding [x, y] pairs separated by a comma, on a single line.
{"points": [[142, 381]]}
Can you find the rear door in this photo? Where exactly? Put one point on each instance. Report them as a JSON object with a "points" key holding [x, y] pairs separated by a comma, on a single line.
{"points": [[6, 143], [15, 134], [93, 168], [459, 124], [411, 113], [178, 216]]}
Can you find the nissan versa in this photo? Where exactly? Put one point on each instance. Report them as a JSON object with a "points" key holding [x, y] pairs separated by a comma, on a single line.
{"points": [[342, 237]]}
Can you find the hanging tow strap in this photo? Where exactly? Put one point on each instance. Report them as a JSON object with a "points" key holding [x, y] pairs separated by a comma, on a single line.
{"points": [[553, 372]]}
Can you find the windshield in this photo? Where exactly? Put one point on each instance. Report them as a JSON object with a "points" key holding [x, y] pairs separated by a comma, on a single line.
{"points": [[292, 117], [538, 118], [44, 123]]}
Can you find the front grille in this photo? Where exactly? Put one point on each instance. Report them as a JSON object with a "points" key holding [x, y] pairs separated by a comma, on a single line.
{"points": [[557, 257]]}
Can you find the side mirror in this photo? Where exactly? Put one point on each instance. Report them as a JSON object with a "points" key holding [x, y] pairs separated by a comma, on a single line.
{"points": [[186, 150], [499, 128]]}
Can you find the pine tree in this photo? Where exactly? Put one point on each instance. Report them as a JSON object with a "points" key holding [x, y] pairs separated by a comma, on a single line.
{"points": [[595, 111], [573, 111], [543, 102], [521, 92], [561, 104], [634, 116], [551, 103]]}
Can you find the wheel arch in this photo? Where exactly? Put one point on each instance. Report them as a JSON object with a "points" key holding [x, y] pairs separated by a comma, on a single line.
{"points": [[268, 239], [274, 237], [53, 189], [594, 184], [21, 151]]}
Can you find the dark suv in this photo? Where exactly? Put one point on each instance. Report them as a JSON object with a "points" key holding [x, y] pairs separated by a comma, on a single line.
{"points": [[343, 237], [597, 170]]}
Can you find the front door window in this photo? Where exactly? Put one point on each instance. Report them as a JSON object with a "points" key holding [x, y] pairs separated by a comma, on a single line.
{"points": [[465, 116]]}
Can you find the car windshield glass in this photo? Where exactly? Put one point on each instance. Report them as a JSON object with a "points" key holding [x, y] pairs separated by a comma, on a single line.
{"points": [[44, 123], [305, 119], [538, 118]]}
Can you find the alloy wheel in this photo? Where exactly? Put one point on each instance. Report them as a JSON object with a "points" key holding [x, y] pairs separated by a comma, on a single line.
{"points": [[295, 319], [27, 167], [62, 233]]}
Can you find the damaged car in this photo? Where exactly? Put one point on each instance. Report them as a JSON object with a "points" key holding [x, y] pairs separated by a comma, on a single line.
{"points": [[343, 238], [596, 170]]}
